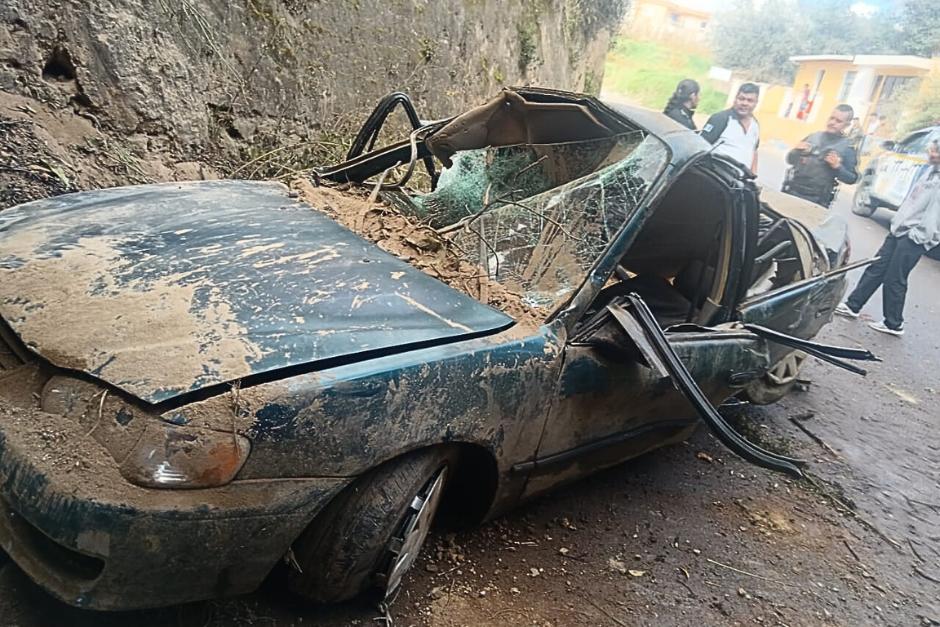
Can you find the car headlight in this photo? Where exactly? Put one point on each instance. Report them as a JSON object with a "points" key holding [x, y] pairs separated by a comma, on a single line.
{"points": [[168, 456]]}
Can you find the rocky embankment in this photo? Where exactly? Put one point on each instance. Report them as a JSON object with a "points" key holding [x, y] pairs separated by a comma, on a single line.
{"points": [[98, 93]]}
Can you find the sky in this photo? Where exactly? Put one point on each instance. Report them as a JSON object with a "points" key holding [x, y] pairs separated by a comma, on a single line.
{"points": [[871, 7], [863, 7]]}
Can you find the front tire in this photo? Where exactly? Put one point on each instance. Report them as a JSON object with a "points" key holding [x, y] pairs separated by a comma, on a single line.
{"points": [[862, 204], [777, 382], [369, 536]]}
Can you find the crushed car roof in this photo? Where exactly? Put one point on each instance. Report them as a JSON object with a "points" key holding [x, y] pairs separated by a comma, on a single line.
{"points": [[165, 289], [684, 145]]}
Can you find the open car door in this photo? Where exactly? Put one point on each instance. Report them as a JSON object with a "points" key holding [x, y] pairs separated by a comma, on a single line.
{"points": [[637, 321], [628, 386], [804, 306]]}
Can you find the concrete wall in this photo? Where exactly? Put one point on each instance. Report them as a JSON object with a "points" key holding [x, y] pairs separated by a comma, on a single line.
{"points": [[215, 75]]}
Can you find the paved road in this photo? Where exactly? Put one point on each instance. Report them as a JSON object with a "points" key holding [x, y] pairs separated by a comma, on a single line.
{"points": [[887, 428], [688, 535]]}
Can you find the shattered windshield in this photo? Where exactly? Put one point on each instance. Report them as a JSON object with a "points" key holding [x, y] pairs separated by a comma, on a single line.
{"points": [[542, 246]]}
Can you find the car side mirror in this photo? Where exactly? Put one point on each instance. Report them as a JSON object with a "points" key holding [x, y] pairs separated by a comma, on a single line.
{"points": [[889, 144]]}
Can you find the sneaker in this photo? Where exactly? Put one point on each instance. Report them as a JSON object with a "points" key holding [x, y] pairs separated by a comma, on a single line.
{"points": [[882, 328], [844, 310]]}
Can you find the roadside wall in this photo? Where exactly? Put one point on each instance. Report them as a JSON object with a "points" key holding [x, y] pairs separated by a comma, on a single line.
{"points": [[227, 76]]}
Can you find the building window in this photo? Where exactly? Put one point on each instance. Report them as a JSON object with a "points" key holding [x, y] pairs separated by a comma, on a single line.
{"points": [[820, 75], [703, 25], [893, 85], [674, 18], [847, 83], [876, 87]]}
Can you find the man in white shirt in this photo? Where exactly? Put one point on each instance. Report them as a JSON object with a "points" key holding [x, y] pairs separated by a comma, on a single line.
{"points": [[736, 131]]}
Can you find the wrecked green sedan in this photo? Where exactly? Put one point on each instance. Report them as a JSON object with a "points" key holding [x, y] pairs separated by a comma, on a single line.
{"points": [[202, 381]]}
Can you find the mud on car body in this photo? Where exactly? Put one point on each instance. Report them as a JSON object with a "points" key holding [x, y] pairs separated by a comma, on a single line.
{"points": [[200, 380]]}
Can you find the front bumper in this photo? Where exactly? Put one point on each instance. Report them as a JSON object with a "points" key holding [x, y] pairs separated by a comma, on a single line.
{"points": [[93, 540]]}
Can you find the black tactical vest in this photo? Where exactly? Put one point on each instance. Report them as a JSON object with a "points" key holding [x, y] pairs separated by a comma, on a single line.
{"points": [[811, 177]]}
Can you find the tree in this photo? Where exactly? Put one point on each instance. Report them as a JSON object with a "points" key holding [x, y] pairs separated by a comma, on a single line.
{"points": [[834, 28], [920, 27], [760, 37], [925, 107]]}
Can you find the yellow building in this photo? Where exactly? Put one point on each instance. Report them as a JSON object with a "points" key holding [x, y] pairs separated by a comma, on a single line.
{"points": [[681, 22], [867, 82]]}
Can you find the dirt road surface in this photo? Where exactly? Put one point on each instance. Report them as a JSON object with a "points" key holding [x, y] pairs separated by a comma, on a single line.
{"points": [[688, 535]]}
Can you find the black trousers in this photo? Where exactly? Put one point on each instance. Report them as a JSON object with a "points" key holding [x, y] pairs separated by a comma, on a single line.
{"points": [[898, 256]]}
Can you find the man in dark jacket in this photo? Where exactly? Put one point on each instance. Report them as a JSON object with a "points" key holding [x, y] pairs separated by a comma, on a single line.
{"points": [[822, 159]]}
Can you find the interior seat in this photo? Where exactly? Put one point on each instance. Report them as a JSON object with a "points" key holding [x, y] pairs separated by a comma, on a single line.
{"points": [[669, 305], [694, 281]]}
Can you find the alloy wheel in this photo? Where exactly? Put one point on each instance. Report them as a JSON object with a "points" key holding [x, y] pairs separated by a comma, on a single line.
{"points": [[787, 369], [407, 542]]}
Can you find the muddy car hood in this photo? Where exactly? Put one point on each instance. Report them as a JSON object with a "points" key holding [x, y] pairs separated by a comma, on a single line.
{"points": [[162, 290]]}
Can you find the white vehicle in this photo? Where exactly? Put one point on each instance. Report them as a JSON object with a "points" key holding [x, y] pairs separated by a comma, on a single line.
{"points": [[889, 177]]}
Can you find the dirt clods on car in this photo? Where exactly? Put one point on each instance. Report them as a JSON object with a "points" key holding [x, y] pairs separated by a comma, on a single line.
{"points": [[417, 244]]}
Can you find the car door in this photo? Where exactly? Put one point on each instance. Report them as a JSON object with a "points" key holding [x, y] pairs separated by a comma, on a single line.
{"points": [[785, 298], [897, 169], [613, 403], [617, 396], [800, 309], [615, 399]]}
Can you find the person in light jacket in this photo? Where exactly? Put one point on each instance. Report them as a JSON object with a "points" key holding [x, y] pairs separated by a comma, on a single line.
{"points": [[915, 230]]}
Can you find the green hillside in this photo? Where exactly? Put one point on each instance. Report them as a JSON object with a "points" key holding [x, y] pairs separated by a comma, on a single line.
{"points": [[646, 72]]}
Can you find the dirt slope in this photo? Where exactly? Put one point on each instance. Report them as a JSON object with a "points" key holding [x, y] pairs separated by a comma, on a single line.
{"points": [[46, 151]]}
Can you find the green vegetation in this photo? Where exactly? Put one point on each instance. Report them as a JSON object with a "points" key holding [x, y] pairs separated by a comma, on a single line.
{"points": [[920, 27], [585, 18], [925, 110], [759, 36], [427, 49], [593, 15], [528, 50], [646, 72], [592, 85]]}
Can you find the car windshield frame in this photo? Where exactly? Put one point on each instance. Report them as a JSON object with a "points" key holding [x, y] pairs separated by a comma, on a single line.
{"points": [[599, 196]]}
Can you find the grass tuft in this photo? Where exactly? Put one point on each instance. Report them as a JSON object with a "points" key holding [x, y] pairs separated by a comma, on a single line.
{"points": [[646, 72]]}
